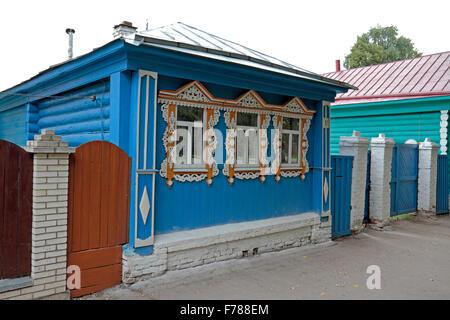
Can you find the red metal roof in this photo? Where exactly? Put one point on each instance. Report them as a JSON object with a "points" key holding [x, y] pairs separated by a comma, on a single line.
{"points": [[405, 79]]}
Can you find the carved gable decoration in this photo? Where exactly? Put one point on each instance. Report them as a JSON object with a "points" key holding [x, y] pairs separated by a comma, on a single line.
{"points": [[297, 106], [250, 99], [194, 94]]}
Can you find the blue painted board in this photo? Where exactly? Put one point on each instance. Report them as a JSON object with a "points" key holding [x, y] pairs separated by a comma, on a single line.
{"points": [[442, 185], [341, 182], [404, 178]]}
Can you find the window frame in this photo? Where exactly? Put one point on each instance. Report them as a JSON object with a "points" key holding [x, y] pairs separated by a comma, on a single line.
{"points": [[249, 166], [197, 167], [291, 132]]}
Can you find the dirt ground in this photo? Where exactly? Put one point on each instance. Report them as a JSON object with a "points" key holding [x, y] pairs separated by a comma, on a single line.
{"points": [[413, 256]]}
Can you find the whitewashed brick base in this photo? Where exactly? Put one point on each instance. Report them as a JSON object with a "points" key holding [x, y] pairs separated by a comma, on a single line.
{"points": [[193, 248], [427, 176], [49, 226], [357, 147], [380, 178]]}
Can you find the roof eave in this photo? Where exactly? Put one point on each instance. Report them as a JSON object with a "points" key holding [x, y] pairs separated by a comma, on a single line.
{"points": [[142, 39]]}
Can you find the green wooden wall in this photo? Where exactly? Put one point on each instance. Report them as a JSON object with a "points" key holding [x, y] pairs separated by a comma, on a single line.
{"points": [[400, 127], [401, 120]]}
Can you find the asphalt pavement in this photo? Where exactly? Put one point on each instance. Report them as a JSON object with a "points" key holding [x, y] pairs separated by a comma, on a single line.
{"points": [[412, 257]]}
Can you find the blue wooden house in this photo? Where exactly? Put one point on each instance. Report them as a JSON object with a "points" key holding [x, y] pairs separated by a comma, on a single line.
{"points": [[229, 146]]}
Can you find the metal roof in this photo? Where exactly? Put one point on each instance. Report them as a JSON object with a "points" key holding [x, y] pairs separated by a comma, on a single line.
{"points": [[184, 38], [420, 77]]}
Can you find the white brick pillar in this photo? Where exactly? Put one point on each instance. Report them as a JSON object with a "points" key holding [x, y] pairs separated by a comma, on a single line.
{"points": [[357, 147], [49, 228], [380, 178], [426, 189]]}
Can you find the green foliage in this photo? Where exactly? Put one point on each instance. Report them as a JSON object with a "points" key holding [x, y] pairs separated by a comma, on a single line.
{"points": [[380, 45]]}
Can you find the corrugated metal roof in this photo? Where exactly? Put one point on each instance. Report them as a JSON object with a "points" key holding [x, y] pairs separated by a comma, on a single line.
{"points": [[405, 79], [187, 39]]}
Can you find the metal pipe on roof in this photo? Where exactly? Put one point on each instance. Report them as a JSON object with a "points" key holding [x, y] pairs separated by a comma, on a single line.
{"points": [[70, 32]]}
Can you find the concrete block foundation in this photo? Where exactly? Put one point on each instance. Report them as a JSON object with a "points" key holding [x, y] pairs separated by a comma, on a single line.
{"points": [[193, 248]]}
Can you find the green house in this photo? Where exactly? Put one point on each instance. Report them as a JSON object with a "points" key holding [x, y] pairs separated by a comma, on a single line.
{"points": [[407, 99]]}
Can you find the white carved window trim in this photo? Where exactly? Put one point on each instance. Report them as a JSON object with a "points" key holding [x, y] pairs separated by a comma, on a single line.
{"points": [[246, 165], [246, 171], [189, 172], [291, 133], [194, 94], [191, 124], [288, 170]]}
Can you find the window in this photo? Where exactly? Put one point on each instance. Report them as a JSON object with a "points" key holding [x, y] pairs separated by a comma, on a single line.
{"points": [[189, 136], [247, 139], [191, 114], [290, 141]]}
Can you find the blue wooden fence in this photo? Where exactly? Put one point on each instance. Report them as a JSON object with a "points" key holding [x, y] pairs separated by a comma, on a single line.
{"points": [[442, 185], [404, 178], [341, 183]]}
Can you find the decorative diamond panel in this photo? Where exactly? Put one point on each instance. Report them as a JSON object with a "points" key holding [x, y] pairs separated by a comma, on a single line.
{"points": [[325, 190], [144, 206]]}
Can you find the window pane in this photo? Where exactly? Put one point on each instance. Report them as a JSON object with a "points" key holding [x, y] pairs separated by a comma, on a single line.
{"points": [[285, 148], [241, 147], [294, 149], [247, 119], [197, 146], [290, 124], [252, 146], [181, 145], [189, 114]]}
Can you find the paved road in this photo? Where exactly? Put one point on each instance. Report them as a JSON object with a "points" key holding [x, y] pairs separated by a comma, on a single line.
{"points": [[414, 259]]}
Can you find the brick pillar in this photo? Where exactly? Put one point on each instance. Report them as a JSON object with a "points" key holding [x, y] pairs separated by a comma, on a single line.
{"points": [[357, 147], [49, 228], [380, 178], [426, 196]]}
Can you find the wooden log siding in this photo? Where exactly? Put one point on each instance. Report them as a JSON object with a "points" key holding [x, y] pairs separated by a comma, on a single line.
{"points": [[16, 183], [78, 120]]}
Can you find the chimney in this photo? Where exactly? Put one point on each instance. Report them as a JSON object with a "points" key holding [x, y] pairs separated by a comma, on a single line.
{"points": [[338, 65], [124, 30], [70, 32]]}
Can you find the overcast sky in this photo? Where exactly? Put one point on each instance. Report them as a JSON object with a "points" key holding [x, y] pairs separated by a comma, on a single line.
{"points": [[308, 34]]}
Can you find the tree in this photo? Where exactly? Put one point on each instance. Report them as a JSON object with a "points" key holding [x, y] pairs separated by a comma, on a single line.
{"points": [[380, 45]]}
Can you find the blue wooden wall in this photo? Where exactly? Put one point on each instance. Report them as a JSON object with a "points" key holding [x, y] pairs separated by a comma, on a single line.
{"points": [[189, 205], [81, 119], [12, 125]]}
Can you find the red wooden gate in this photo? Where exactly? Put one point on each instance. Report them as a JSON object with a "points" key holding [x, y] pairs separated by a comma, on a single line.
{"points": [[99, 197], [16, 188]]}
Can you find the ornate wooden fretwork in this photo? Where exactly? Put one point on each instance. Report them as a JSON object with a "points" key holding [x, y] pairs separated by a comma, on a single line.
{"points": [[196, 95]]}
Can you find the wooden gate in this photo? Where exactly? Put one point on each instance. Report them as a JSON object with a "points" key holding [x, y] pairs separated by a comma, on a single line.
{"points": [[404, 178], [442, 185], [16, 188], [341, 190], [99, 198]]}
